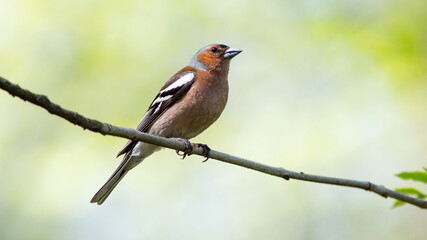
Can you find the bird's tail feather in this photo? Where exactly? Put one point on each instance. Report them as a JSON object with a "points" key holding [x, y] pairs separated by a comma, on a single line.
{"points": [[112, 182], [108, 187]]}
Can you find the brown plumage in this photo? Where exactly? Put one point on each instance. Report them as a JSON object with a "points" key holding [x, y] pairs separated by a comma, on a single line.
{"points": [[188, 103]]}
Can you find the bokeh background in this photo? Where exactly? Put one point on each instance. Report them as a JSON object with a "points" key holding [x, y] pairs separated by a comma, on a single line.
{"points": [[335, 88]]}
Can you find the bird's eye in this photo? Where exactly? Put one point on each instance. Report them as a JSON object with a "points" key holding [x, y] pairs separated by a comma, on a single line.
{"points": [[214, 49]]}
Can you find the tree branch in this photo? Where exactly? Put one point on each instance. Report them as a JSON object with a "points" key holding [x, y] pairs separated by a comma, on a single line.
{"points": [[132, 134]]}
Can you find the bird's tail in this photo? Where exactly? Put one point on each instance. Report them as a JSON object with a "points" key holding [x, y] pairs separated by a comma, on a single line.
{"points": [[112, 182], [129, 161]]}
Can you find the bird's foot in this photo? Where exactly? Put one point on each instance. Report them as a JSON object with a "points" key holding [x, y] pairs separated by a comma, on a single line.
{"points": [[206, 150], [187, 150]]}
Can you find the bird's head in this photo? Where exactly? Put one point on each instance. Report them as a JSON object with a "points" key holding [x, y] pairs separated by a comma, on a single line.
{"points": [[214, 56]]}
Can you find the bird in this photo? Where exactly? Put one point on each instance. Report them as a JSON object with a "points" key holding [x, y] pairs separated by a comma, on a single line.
{"points": [[188, 103]]}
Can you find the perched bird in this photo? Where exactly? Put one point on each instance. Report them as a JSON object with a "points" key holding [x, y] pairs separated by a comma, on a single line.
{"points": [[189, 102]]}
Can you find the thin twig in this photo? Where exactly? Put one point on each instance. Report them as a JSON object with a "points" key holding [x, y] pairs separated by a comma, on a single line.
{"points": [[107, 129]]}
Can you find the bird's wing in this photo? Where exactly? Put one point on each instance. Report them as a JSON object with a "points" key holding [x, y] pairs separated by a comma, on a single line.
{"points": [[171, 92]]}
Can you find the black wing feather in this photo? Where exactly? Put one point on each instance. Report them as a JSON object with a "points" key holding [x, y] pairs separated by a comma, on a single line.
{"points": [[156, 109]]}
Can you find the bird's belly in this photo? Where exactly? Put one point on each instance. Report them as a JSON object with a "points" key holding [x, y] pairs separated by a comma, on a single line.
{"points": [[189, 120]]}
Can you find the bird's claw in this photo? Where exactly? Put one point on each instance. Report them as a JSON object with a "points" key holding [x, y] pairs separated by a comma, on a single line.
{"points": [[206, 150], [187, 150]]}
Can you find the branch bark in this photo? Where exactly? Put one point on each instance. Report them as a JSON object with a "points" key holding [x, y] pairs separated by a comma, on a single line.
{"points": [[132, 134]]}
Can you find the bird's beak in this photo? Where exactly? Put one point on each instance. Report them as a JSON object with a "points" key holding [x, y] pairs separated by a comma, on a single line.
{"points": [[231, 52]]}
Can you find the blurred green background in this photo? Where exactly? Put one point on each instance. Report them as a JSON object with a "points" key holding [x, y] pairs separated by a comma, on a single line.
{"points": [[336, 88]]}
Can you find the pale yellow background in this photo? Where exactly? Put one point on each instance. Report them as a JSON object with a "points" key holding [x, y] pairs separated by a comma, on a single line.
{"points": [[336, 88]]}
